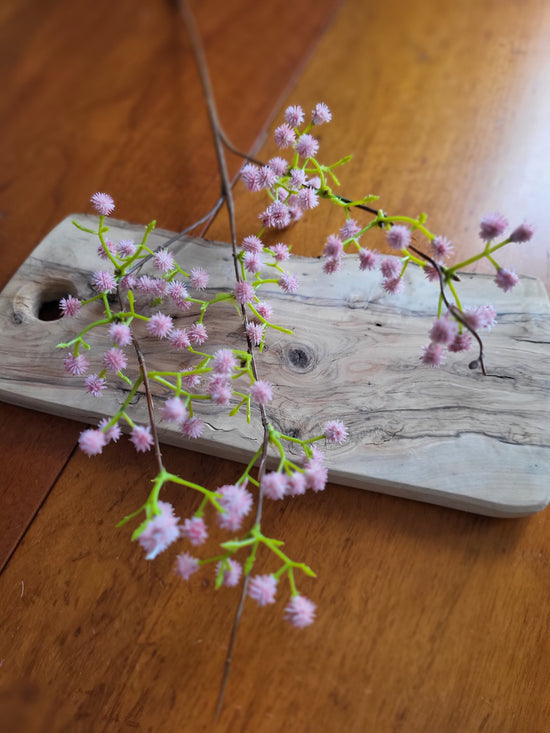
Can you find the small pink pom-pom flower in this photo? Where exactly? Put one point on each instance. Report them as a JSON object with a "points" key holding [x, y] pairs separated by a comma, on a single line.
{"points": [[69, 306], [112, 433], [506, 279], [488, 316], [368, 259], [261, 392], [92, 442], [278, 165], [173, 410], [252, 244], [333, 246], [307, 199], [192, 427], [186, 565], [300, 611], [198, 278], [232, 571], [492, 225], [163, 261], [126, 248], [399, 236], [220, 391], [195, 531], [267, 177], [103, 250], [332, 265], [321, 114], [289, 283], [103, 203], [155, 286], [274, 485], [284, 136], [307, 146], [121, 334], [252, 262], [161, 531], [236, 502], [249, 176], [443, 330], [255, 332], [390, 267], [115, 360], [280, 252], [482, 316], [297, 179], [141, 438], [262, 588], [197, 334], [461, 342], [190, 381], [244, 292], [276, 216], [76, 365], [128, 282], [178, 292], [393, 285], [523, 233], [179, 339], [103, 281], [224, 361], [431, 273], [316, 476], [265, 310], [296, 484], [159, 325], [336, 432], [95, 385], [433, 354], [350, 229], [441, 247], [294, 115]]}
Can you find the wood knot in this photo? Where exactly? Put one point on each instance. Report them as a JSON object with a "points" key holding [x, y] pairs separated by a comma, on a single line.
{"points": [[300, 358]]}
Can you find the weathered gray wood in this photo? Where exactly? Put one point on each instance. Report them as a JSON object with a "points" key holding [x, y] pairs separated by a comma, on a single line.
{"points": [[447, 436]]}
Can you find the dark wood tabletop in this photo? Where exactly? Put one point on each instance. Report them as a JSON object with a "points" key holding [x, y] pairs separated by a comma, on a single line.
{"points": [[429, 619]]}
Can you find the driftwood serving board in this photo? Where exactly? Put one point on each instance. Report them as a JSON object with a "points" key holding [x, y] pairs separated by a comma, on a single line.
{"points": [[447, 436]]}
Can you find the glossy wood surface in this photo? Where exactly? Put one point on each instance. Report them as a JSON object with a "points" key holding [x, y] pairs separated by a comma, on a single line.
{"points": [[429, 619]]}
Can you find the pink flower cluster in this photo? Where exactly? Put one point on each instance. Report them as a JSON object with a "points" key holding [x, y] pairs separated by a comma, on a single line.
{"points": [[278, 484], [236, 502], [161, 531], [446, 334]]}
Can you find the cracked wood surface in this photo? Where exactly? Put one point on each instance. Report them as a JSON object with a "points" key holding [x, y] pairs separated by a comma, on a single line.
{"points": [[353, 355]]}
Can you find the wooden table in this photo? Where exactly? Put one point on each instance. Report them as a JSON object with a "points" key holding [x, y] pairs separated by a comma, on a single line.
{"points": [[429, 619]]}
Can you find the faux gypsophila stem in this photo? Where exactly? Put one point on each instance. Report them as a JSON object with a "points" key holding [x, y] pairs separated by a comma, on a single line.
{"points": [[229, 202], [456, 311]]}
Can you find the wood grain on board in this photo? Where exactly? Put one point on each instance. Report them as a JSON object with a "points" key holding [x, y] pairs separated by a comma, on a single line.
{"points": [[353, 355]]}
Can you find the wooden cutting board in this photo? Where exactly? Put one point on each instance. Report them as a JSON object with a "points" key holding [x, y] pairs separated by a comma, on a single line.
{"points": [[447, 436]]}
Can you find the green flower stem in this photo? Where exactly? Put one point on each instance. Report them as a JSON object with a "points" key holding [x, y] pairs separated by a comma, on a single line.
{"points": [[84, 229], [407, 220], [116, 264], [485, 253], [266, 323], [211, 496], [455, 294]]}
